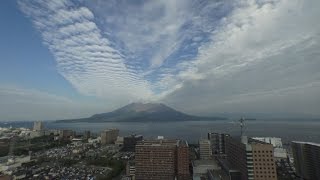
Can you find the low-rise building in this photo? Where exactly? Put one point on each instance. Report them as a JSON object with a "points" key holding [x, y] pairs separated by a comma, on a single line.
{"points": [[201, 167], [119, 141]]}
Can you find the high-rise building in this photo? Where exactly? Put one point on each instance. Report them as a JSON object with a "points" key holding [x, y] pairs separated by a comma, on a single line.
{"points": [[38, 126], [109, 136], [183, 172], [306, 159], [205, 149], [129, 142], [162, 159], [218, 142], [254, 159]]}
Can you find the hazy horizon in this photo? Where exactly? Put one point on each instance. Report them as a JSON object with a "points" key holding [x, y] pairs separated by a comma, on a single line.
{"points": [[69, 59]]}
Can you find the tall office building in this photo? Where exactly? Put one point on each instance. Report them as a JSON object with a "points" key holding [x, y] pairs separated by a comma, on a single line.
{"points": [[162, 159], [306, 159], [218, 142], [38, 126], [205, 149], [109, 136], [254, 159], [129, 142], [183, 172]]}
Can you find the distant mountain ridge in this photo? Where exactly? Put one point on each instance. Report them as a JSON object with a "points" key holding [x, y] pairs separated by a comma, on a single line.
{"points": [[142, 112]]}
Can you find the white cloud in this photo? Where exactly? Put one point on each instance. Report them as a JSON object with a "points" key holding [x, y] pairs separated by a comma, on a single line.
{"points": [[84, 57], [262, 46], [155, 30], [244, 52]]}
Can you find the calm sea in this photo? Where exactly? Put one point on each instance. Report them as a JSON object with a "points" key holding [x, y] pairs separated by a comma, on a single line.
{"points": [[193, 130]]}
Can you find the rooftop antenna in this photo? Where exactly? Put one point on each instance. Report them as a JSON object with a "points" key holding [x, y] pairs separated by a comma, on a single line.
{"points": [[242, 124]]}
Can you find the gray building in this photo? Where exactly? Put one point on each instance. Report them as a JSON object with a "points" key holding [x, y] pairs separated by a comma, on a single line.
{"points": [[205, 149], [38, 126], [129, 142], [306, 159], [218, 142]]}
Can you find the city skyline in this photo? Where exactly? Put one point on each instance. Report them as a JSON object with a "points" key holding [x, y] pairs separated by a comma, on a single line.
{"points": [[67, 59]]}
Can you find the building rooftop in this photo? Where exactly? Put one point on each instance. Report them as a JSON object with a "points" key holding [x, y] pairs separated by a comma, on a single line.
{"points": [[255, 141], [310, 143], [227, 166], [134, 136], [204, 163], [182, 143], [219, 174], [111, 129], [157, 142]]}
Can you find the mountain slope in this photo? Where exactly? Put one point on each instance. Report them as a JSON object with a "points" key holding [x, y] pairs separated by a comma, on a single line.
{"points": [[140, 112]]}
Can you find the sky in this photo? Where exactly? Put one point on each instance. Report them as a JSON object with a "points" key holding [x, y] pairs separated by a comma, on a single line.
{"points": [[72, 59]]}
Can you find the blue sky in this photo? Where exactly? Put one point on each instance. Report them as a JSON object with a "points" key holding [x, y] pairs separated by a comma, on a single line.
{"points": [[24, 59], [68, 59]]}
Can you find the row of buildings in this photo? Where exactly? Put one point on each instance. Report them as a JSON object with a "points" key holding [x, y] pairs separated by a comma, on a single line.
{"points": [[254, 158], [220, 156], [239, 159]]}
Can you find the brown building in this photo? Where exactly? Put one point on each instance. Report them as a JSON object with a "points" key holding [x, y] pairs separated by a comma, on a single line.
{"points": [[162, 159], [253, 158], [5, 177], [183, 172], [306, 159], [109, 136]]}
